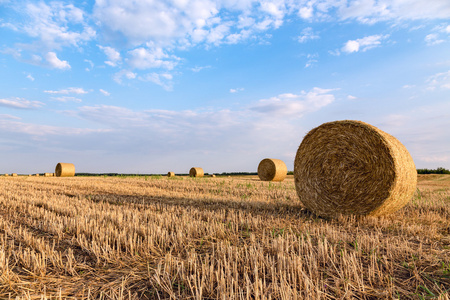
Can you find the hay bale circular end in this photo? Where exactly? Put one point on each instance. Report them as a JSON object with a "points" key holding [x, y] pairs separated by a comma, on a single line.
{"points": [[170, 174], [196, 172], [65, 170], [270, 169], [14, 175], [353, 168]]}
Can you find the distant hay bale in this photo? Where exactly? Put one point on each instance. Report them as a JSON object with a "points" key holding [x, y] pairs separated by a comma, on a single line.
{"points": [[271, 169], [37, 175], [170, 174], [353, 168], [65, 170], [196, 172], [212, 175], [6, 175], [14, 175], [47, 174]]}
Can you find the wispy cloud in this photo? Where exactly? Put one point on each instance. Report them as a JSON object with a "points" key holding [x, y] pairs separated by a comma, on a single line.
{"points": [[363, 44], [112, 54], [236, 90], [20, 103], [70, 90], [307, 35], [106, 93]]}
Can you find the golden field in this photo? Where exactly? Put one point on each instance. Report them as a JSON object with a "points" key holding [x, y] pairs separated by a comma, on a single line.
{"points": [[213, 238]]}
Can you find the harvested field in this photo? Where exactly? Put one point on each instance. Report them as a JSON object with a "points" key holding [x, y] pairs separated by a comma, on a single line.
{"points": [[213, 238]]}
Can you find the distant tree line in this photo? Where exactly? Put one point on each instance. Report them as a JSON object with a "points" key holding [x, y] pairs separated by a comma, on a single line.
{"points": [[433, 171]]}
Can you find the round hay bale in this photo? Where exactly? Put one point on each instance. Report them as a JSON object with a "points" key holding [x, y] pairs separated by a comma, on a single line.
{"points": [[271, 169], [65, 170], [170, 174], [212, 175], [14, 175], [6, 175], [37, 175], [47, 174], [196, 172], [353, 168]]}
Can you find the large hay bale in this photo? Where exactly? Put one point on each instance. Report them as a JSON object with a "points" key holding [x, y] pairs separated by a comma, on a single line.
{"points": [[351, 167], [196, 172], [271, 169], [65, 170], [170, 174]]}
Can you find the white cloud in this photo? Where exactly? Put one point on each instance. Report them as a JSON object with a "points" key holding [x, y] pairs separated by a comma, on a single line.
{"points": [[197, 69], [55, 62], [20, 103], [104, 92], [307, 34], [71, 90], [112, 54], [439, 80], [164, 80], [67, 99], [363, 44], [123, 73], [50, 24], [236, 90], [350, 97], [295, 105], [433, 39], [141, 58], [29, 76], [311, 60]]}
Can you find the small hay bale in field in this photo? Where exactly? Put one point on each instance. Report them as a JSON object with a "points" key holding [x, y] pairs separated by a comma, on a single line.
{"points": [[353, 168], [270, 169], [170, 174], [37, 175], [212, 175], [47, 174], [65, 170], [6, 175], [14, 175], [196, 172]]}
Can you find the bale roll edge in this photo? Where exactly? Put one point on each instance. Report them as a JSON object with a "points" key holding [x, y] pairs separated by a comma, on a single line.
{"points": [[351, 167], [272, 169], [65, 170]]}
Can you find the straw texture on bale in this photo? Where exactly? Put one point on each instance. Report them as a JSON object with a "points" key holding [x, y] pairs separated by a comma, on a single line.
{"points": [[170, 174], [196, 172], [65, 170], [271, 169], [353, 168]]}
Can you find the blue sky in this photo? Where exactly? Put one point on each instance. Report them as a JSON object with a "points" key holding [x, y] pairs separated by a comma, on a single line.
{"points": [[150, 86]]}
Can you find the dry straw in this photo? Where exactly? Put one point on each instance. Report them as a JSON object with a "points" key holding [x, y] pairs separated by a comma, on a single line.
{"points": [[65, 170], [270, 169], [196, 172], [351, 167], [14, 174], [170, 174]]}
